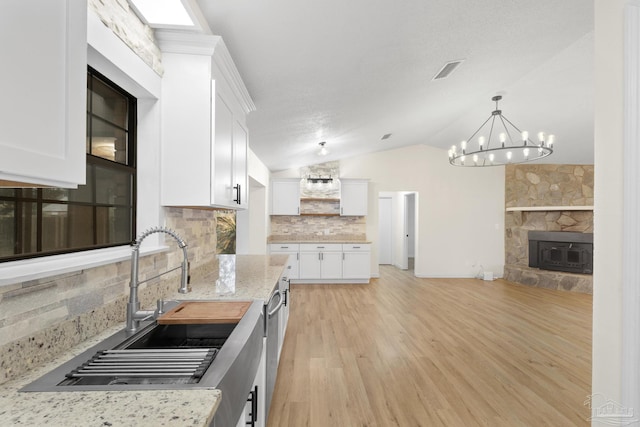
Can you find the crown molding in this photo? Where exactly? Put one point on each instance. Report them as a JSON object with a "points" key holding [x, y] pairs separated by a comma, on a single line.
{"points": [[187, 42], [209, 45], [224, 62]]}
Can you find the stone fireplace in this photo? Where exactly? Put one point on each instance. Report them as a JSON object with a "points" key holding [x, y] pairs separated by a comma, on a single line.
{"points": [[553, 204], [561, 251]]}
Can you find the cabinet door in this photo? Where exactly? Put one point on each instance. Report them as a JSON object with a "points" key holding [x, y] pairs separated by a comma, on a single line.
{"points": [[310, 265], [285, 197], [222, 154], [291, 249], [356, 265], [353, 197], [240, 181], [43, 46], [255, 411], [331, 265], [293, 267]]}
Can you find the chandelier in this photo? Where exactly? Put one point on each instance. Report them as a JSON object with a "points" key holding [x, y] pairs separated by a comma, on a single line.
{"points": [[505, 144]]}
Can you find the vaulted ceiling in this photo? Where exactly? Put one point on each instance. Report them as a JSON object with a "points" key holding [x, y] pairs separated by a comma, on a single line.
{"points": [[349, 72]]}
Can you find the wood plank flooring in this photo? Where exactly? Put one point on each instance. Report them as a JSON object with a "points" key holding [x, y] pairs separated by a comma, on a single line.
{"points": [[403, 351]]}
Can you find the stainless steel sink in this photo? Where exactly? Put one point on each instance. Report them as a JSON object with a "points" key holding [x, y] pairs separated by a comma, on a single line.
{"points": [[161, 357], [158, 352]]}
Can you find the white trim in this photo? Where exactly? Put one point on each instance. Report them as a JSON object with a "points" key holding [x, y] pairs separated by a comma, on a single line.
{"points": [[458, 276], [209, 45], [187, 43], [329, 281], [549, 208], [114, 59], [16, 272], [630, 380], [224, 62]]}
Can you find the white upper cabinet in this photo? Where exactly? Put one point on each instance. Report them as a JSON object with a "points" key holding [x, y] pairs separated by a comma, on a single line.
{"points": [[204, 133], [285, 196], [43, 46], [353, 197]]}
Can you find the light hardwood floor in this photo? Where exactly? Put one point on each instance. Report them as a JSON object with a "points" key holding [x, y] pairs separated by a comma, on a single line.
{"points": [[403, 351]]}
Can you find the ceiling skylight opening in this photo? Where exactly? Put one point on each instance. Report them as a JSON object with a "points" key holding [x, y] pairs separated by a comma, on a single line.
{"points": [[163, 13], [447, 69]]}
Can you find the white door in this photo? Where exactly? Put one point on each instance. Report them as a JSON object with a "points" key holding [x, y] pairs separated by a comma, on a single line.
{"points": [[385, 230]]}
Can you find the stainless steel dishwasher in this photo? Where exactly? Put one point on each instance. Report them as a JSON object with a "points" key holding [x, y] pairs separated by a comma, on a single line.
{"points": [[272, 334]]}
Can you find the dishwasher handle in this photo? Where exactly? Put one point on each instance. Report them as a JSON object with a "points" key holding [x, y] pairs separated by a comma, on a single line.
{"points": [[277, 307]]}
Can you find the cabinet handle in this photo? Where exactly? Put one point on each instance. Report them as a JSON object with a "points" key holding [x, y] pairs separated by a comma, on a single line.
{"points": [[284, 247], [297, 256], [319, 256], [253, 398], [356, 247], [237, 199], [319, 247], [341, 211], [343, 256]]}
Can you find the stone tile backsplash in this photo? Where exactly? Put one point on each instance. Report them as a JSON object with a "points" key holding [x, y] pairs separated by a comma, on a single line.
{"points": [[328, 226], [40, 319]]}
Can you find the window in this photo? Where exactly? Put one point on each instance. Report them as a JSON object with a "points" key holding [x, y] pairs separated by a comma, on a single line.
{"points": [[37, 222]]}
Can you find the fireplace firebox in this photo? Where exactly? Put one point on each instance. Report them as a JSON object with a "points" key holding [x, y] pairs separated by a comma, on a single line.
{"points": [[561, 251]]}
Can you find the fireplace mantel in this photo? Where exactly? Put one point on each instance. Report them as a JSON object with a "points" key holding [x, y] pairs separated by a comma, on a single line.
{"points": [[549, 208]]}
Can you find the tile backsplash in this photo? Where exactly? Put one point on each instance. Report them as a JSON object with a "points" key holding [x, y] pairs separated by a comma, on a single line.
{"points": [[40, 319], [303, 226]]}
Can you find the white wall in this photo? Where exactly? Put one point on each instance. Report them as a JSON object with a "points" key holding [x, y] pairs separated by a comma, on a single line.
{"points": [[607, 278], [252, 225], [461, 210]]}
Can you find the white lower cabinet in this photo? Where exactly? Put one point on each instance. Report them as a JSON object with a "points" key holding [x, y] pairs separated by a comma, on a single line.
{"points": [[254, 411], [291, 249], [326, 262], [322, 261], [356, 261]]}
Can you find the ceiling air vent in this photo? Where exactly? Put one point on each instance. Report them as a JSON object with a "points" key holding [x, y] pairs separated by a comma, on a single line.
{"points": [[447, 69], [386, 136]]}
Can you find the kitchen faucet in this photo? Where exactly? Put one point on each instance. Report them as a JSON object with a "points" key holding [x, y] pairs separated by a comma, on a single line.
{"points": [[134, 314]]}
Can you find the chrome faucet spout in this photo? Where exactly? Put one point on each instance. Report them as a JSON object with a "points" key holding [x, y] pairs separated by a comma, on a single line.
{"points": [[134, 314]]}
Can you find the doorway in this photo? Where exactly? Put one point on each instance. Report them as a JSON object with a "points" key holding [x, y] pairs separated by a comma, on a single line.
{"points": [[409, 230], [385, 232], [397, 229]]}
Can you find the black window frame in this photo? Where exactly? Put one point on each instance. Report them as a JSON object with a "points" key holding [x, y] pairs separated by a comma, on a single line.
{"points": [[20, 196]]}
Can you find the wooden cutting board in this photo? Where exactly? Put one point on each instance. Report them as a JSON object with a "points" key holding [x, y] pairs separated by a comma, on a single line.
{"points": [[205, 312]]}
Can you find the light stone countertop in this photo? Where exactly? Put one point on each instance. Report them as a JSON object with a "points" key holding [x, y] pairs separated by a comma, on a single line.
{"points": [[319, 239], [255, 278]]}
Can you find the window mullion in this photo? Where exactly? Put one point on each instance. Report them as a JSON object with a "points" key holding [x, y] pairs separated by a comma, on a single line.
{"points": [[39, 219]]}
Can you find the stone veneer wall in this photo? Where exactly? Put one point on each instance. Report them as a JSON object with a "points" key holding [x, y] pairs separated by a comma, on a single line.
{"points": [[545, 185], [325, 199], [42, 318], [310, 227], [118, 16]]}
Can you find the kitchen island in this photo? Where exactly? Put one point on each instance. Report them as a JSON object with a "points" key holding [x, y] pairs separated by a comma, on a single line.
{"points": [[255, 278]]}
